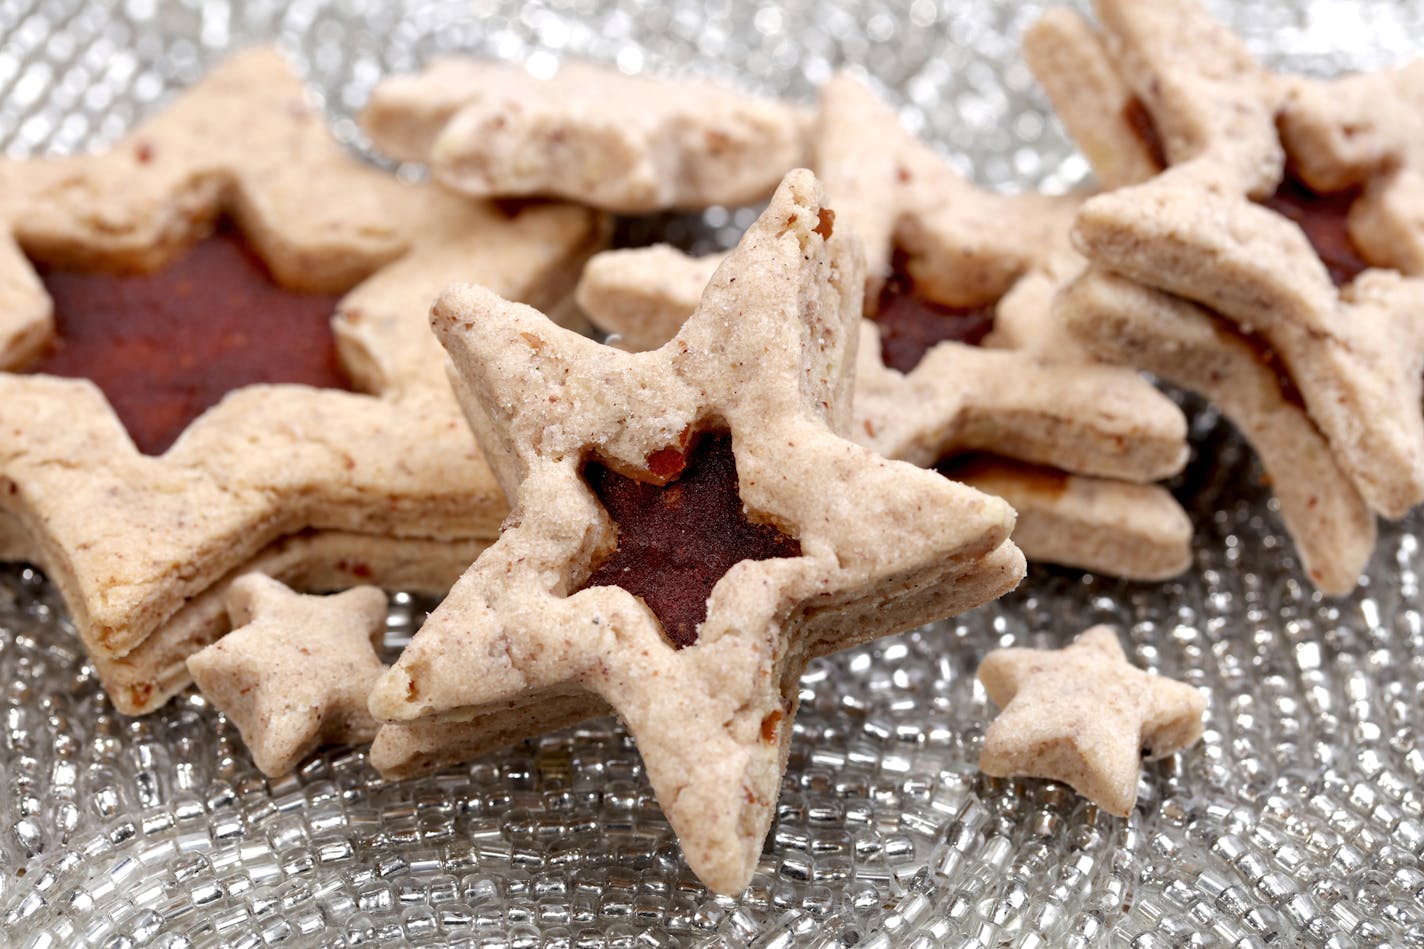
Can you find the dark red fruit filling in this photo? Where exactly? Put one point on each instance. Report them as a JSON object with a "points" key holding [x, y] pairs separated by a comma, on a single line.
{"points": [[1325, 219], [676, 540], [164, 347], [911, 325]]}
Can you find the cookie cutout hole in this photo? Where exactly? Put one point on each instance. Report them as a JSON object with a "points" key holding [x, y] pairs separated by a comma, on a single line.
{"points": [[1325, 219], [165, 347], [911, 324], [677, 539]]}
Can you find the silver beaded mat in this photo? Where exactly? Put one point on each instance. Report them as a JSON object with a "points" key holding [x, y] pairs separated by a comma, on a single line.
{"points": [[1296, 821]]}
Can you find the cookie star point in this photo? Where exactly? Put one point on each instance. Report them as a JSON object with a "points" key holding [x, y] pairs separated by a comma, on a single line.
{"points": [[1085, 716], [295, 671]]}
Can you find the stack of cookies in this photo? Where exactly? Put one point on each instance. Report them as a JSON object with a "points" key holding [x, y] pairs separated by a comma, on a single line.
{"points": [[221, 392]]}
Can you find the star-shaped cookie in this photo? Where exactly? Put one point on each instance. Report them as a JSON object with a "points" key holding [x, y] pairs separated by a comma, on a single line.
{"points": [[1073, 446], [1257, 219], [1085, 716], [130, 538], [295, 671], [607, 457], [588, 133]]}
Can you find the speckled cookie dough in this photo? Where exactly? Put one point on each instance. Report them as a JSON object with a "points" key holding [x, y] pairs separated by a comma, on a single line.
{"points": [[963, 246], [309, 561], [1032, 423], [1085, 716], [643, 295], [417, 748], [308, 209], [295, 671], [1333, 528], [129, 537], [26, 323], [589, 134], [605, 455], [1031, 399], [1100, 111], [1267, 214]]}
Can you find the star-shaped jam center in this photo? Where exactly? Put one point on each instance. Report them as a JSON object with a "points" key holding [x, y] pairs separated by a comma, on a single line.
{"points": [[678, 538], [1325, 219], [165, 347], [911, 324]]}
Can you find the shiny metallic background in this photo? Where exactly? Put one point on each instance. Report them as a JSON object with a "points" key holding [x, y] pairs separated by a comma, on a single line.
{"points": [[1297, 821]]}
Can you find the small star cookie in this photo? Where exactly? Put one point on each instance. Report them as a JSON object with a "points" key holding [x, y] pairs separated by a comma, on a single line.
{"points": [[589, 134], [1256, 211], [610, 459], [295, 671], [1072, 446], [1085, 716]]}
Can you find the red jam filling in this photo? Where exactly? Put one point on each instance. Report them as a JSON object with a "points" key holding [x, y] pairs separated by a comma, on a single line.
{"points": [[165, 347], [911, 325], [1325, 219], [1137, 117], [1267, 357], [676, 540], [967, 467]]}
